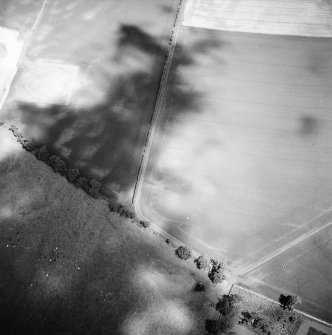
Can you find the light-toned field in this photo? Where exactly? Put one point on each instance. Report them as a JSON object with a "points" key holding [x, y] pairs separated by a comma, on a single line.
{"points": [[10, 50], [241, 158], [69, 266], [88, 80], [247, 160], [281, 17]]}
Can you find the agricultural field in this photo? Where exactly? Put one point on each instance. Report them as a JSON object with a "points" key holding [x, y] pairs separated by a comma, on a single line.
{"points": [[281, 17], [88, 79], [303, 270], [240, 162], [246, 161]]}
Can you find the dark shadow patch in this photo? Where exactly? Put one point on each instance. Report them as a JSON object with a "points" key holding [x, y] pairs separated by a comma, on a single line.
{"points": [[167, 9], [135, 37], [81, 277], [308, 125], [106, 140]]}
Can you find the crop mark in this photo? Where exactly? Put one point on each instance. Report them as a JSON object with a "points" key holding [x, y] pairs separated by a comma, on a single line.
{"points": [[293, 259]]}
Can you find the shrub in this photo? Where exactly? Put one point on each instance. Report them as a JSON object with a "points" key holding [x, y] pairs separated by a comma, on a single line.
{"points": [[42, 154], [246, 315], [145, 224], [12, 128], [72, 175], [199, 287], [217, 272], [29, 145], [57, 164], [287, 302], [201, 262], [226, 323], [82, 182], [212, 326], [94, 188], [20, 138], [228, 304], [183, 252]]}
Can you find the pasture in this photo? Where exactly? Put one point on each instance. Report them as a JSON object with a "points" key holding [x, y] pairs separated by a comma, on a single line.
{"points": [[88, 80], [69, 266]]}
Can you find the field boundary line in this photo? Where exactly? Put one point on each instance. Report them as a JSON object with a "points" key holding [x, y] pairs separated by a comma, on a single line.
{"points": [[278, 289], [158, 105], [286, 247], [32, 30]]}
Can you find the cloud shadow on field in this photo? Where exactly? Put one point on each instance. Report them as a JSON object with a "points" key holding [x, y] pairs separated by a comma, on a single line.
{"points": [[106, 140], [309, 125]]}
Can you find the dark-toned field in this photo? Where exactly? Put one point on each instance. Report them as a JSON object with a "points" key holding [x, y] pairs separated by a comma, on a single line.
{"points": [[69, 266]]}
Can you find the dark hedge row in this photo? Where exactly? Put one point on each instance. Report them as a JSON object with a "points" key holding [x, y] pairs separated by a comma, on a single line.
{"points": [[74, 176], [122, 211]]}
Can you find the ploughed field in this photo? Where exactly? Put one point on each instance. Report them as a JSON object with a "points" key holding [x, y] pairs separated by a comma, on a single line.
{"points": [[88, 80], [242, 157], [281, 17]]}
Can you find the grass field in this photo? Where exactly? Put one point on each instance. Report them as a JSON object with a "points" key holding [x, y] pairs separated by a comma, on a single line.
{"points": [[88, 80], [69, 266], [246, 161]]}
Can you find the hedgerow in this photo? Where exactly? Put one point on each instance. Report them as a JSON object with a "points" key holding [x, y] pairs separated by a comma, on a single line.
{"points": [[58, 164]]}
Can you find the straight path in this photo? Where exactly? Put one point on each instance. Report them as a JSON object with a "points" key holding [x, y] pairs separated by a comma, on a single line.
{"points": [[157, 109]]}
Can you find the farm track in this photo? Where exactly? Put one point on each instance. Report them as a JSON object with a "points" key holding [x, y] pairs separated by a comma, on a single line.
{"points": [[157, 109], [32, 31]]}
